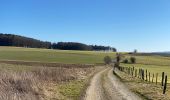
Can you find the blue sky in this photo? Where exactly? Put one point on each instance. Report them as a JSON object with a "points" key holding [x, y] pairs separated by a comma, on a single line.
{"points": [[124, 24]]}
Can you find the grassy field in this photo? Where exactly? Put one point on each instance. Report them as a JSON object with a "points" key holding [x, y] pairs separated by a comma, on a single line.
{"points": [[45, 81], [152, 60], [58, 56], [68, 89], [154, 64], [152, 69]]}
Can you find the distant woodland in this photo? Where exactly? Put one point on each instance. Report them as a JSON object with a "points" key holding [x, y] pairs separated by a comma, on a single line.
{"points": [[21, 41]]}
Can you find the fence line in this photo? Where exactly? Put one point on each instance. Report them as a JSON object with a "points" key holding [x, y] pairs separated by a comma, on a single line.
{"points": [[145, 75]]}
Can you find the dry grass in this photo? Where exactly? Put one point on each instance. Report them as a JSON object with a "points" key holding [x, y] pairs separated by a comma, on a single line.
{"points": [[18, 86], [147, 90], [32, 85]]}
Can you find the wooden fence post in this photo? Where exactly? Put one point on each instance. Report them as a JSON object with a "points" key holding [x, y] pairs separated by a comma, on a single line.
{"points": [[143, 74], [153, 78], [164, 90], [163, 76], [129, 70], [139, 73], [146, 75], [133, 69], [149, 77], [136, 72], [156, 78]]}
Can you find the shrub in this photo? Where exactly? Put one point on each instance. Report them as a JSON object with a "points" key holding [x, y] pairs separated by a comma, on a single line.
{"points": [[125, 61], [133, 60], [107, 60]]}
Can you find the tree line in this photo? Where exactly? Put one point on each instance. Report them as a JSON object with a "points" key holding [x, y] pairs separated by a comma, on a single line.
{"points": [[21, 41]]}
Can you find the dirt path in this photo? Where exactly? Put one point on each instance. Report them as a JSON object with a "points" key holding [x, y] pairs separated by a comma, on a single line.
{"points": [[106, 86], [95, 90]]}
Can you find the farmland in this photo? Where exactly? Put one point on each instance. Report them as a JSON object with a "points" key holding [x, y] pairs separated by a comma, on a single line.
{"points": [[58, 56], [152, 60], [49, 82], [154, 64], [46, 82]]}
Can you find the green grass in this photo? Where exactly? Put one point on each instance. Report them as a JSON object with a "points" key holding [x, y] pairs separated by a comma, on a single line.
{"points": [[59, 56], [152, 60], [154, 64], [152, 69], [72, 89]]}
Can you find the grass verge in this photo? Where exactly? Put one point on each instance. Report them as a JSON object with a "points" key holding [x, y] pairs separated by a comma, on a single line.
{"points": [[148, 91], [73, 89], [76, 89]]}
